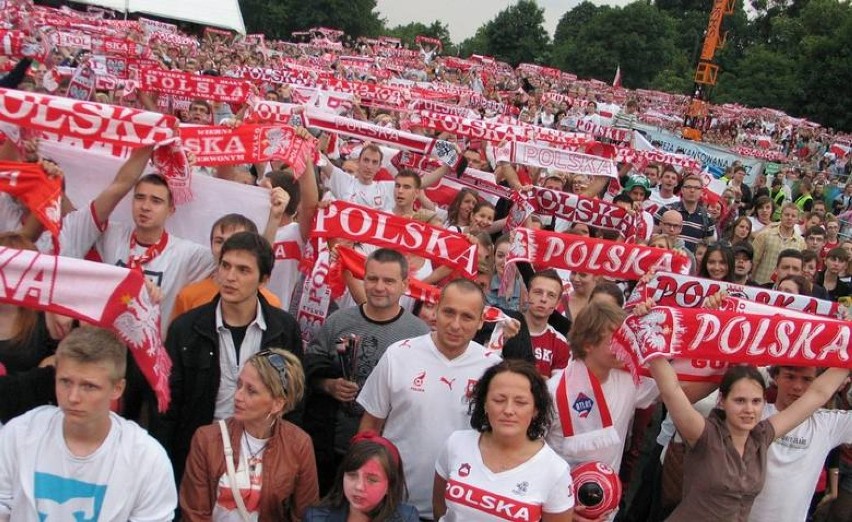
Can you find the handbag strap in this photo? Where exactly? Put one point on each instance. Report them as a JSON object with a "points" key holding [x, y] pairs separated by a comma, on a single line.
{"points": [[232, 475]]}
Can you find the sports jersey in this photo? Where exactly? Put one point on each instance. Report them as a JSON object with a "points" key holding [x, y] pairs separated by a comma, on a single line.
{"points": [[794, 462], [181, 262], [551, 351], [346, 187], [474, 493], [289, 247], [129, 477], [622, 398], [422, 396]]}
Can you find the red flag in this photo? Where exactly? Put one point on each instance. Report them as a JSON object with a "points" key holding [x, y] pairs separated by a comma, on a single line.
{"points": [[616, 82]]}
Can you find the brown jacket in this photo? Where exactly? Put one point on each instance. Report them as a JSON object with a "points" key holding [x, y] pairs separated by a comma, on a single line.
{"points": [[289, 481]]}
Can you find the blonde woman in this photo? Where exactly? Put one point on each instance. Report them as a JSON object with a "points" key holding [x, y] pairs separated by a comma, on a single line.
{"points": [[254, 465]]}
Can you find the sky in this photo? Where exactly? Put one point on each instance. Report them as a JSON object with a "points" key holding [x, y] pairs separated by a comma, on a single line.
{"points": [[463, 17]]}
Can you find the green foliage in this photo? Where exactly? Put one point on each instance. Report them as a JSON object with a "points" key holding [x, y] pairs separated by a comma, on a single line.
{"points": [[279, 18], [517, 34], [638, 37], [437, 29]]}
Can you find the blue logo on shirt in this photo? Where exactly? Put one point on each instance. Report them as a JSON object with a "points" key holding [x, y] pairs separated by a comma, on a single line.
{"points": [[60, 498], [583, 405]]}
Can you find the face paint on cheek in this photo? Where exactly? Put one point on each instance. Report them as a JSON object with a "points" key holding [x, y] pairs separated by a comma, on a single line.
{"points": [[369, 488]]}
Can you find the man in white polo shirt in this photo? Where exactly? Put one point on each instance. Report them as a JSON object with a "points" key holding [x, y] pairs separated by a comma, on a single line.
{"points": [[418, 391]]}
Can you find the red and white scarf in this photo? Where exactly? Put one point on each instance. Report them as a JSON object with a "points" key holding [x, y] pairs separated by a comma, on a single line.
{"points": [[528, 153], [684, 291], [88, 121], [443, 150], [591, 211], [602, 131], [316, 298], [193, 86], [114, 298], [494, 132], [97, 123], [588, 255], [366, 225], [742, 332], [40, 193], [582, 410], [216, 145]]}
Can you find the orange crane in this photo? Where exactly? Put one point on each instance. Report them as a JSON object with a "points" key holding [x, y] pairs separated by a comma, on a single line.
{"points": [[696, 119]]}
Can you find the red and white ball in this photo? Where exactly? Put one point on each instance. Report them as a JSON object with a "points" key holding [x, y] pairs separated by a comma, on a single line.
{"points": [[597, 489]]}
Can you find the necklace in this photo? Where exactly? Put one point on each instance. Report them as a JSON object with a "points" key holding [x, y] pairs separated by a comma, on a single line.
{"points": [[253, 459]]}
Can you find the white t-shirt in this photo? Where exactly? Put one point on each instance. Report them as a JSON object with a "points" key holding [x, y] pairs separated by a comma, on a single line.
{"points": [[422, 396], [660, 201], [476, 494], [248, 475], [182, 262], [756, 226], [128, 478], [346, 187], [794, 462], [622, 398], [289, 248]]}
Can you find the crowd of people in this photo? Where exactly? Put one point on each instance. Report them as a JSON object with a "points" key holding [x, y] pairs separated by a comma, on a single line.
{"points": [[382, 340]]}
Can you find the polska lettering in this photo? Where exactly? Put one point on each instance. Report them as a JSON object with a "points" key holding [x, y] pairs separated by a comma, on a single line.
{"points": [[194, 86], [498, 506], [773, 339], [667, 289], [346, 220], [594, 212], [86, 120], [534, 155], [593, 256]]}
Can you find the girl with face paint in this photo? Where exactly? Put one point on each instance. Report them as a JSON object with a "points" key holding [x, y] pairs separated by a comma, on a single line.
{"points": [[370, 486]]}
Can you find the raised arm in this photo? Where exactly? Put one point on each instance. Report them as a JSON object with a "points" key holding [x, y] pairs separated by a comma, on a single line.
{"points": [[689, 423], [818, 393], [127, 176]]}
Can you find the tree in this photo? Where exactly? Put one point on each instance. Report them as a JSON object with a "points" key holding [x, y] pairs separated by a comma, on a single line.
{"points": [[576, 18], [638, 37], [437, 29], [517, 34], [279, 18]]}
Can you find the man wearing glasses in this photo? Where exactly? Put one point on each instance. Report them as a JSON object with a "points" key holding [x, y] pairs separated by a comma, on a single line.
{"points": [[697, 225], [210, 344]]}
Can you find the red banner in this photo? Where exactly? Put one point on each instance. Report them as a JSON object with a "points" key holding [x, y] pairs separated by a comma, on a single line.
{"points": [[195, 86], [344, 220], [588, 255]]}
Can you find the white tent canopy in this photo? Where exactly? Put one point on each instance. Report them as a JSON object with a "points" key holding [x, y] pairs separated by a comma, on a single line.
{"points": [[215, 13]]}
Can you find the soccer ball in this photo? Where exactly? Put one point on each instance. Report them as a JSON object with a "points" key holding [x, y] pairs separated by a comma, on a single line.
{"points": [[597, 489]]}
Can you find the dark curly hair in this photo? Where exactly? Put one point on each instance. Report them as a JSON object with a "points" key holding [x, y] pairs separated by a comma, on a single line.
{"points": [[538, 387]]}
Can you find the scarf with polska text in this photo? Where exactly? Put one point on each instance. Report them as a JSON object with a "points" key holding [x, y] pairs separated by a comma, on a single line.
{"points": [[217, 145], [528, 153], [98, 123], [602, 131], [344, 220], [583, 412], [493, 131], [193, 86], [441, 149], [115, 299], [685, 291], [621, 261], [40, 193], [741, 332]]}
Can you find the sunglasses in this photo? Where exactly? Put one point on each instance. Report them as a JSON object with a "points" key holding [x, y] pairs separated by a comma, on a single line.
{"points": [[278, 363]]}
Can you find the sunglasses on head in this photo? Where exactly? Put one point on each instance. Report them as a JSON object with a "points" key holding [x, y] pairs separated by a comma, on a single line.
{"points": [[279, 363]]}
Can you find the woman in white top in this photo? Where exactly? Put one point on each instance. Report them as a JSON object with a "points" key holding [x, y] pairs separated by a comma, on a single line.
{"points": [[502, 469]]}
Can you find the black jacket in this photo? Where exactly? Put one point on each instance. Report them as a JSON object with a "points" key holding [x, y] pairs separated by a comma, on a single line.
{"points": [[193, 345]]}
